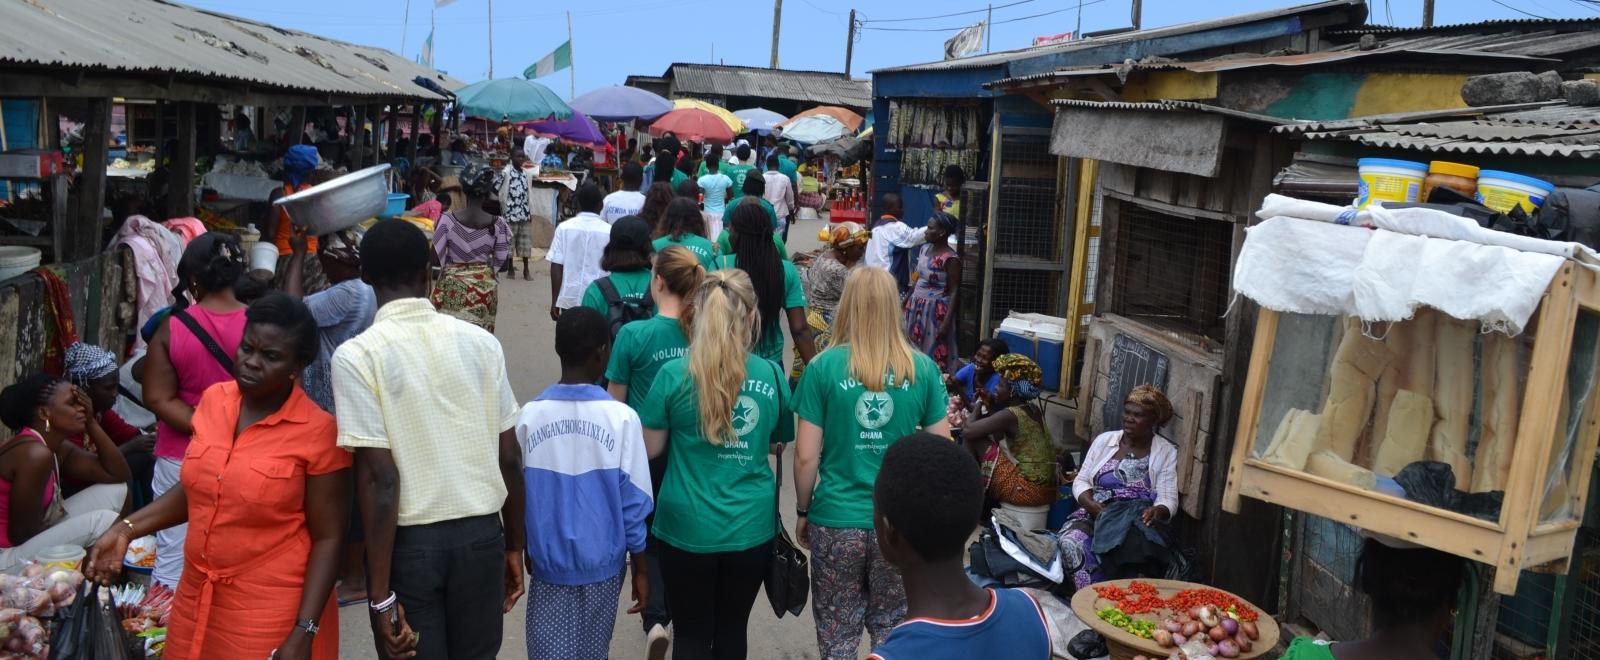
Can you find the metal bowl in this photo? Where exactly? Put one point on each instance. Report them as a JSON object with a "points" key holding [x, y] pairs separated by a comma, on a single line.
{"points": [[341, 203]]}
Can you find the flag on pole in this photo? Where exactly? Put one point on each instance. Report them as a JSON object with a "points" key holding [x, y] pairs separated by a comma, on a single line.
{"points": [[1053, 38], [558, 59], [966, 42], [425, 56]]}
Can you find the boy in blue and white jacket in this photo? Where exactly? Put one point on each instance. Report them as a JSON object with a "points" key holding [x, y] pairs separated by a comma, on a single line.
{"points": [[587, 480]]}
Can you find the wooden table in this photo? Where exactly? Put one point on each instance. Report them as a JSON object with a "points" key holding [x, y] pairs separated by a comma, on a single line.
{"points": [[1123, 645]]}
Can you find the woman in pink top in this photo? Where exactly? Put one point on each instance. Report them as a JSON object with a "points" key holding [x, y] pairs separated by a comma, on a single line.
{"points": [[45, 411], [186, 358]]}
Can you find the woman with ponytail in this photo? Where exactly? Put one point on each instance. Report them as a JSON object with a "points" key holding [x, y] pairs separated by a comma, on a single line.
{"points": [[192, 351], [716, 413], [779, 292], [870, 389]]}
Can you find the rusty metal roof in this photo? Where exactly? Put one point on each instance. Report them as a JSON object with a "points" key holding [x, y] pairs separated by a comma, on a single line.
{"points": [[1168, 106], [161, 37], [1534, 38], [1554, 130], [819, 87]]}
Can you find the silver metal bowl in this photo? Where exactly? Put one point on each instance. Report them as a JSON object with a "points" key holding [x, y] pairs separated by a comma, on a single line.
{"points": [[341, 203]]}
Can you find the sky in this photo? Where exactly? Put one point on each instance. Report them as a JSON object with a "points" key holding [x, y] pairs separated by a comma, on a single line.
{"points": [[613, 39]]}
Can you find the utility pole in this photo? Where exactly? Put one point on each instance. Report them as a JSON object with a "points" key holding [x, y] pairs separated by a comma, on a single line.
{"points": [[1077, 32], [1138, 9], [988, 30], [404, 24], [850, 43], [572, 61], [491, 39], [777, 21], [1427, 13]]}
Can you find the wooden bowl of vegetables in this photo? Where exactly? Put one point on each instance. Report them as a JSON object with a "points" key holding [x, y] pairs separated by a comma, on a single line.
{"points": [[1155, 618]]}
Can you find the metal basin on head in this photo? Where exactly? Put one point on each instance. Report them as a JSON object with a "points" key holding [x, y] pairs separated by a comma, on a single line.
{"points": [[341, 203]]}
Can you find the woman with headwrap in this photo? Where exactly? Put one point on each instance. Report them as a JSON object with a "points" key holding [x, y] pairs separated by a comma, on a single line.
{"points": [[1127, 490], [935, 286], [471, 244], [824, 282], [1016, 450], [94, 370], [298, 164]]}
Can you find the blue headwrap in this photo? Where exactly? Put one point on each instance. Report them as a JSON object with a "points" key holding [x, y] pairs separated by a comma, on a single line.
{"points": [[301, 159]]}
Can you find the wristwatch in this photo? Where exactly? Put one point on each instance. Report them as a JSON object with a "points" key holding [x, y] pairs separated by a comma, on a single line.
{"points": [[308, 625], [801, 513]]}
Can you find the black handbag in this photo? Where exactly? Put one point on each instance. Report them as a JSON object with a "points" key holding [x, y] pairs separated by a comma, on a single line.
{"points": [[788, 578]]}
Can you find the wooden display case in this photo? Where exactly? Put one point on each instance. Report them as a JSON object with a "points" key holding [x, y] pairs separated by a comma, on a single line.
{"points": [[1544, 480]]}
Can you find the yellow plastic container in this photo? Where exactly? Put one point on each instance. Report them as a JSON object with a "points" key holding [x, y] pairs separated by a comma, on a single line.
{"points": [[1503, 191], [1388, 180]]}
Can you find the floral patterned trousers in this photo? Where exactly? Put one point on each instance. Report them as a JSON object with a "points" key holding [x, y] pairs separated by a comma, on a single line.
{"points": [[852, 588]]}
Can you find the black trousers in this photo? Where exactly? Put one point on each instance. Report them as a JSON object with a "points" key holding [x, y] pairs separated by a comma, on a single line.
{"points": [[450, 577], [655, 611], [711, 595]]}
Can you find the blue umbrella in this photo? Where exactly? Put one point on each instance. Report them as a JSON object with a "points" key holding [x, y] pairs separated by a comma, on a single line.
{"points": [[621, 103], [512, 98], [760, 120]]}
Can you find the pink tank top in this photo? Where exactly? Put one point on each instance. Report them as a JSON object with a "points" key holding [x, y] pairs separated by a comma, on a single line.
{"points": [[197, 369], [5, 493]]}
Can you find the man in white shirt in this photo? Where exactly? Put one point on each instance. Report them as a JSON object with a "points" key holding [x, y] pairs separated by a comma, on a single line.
{"points": [[575, 251], [627, 201], [779, 193], [890, 234]]}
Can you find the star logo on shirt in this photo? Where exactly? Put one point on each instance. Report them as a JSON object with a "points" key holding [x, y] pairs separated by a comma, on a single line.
{"points": [[746, 415], [874, 410]]}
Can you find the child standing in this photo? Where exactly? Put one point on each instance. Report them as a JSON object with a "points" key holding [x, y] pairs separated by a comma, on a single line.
{"points": [[588, 493], [926, 502]]}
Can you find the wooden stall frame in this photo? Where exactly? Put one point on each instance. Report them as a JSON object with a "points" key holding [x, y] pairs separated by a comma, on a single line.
{"points": [[1517, 541]]}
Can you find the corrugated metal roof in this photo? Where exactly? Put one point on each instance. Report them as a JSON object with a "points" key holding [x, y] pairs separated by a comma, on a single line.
{"points": [[156, 36], [1003, 57], [1519, 23], [1536, 38], [1309, 127], [1545, 130], [819, 87], [1167, 106]]}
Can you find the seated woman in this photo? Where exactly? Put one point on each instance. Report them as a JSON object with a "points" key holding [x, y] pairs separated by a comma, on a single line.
{"points": [[1413, 594], [94, 370], [45, 411], [1014, 448], [978, 375], [1127, 490], [266, 492]]}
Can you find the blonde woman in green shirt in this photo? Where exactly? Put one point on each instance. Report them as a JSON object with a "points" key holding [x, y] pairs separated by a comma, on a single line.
{"points": [[855, 399], [716, 413]]}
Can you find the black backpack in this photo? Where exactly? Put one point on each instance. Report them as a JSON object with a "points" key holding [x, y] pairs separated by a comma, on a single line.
{"points": [[621, 312]]}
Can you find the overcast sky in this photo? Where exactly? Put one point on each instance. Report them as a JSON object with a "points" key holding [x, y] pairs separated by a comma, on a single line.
{"points": [[615, 38]]}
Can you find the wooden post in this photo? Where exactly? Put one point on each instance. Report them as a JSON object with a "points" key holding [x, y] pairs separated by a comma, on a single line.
{"points": [[850, 43], [297, 125], [777, 22], [1427, 13], [84, 231], [180, 183], [416, 123], [358, 147], [393, 129]]}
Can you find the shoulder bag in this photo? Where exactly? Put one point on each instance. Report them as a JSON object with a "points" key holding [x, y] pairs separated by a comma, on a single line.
{"points": [[211, 345], [788, 578]]}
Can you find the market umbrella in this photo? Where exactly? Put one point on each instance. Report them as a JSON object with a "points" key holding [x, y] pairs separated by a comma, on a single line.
{"points": [[760, 120], [815, 129], [513, 98], [694, 124], [621, 103], [579, 130], [734, 123], [850, 119]]}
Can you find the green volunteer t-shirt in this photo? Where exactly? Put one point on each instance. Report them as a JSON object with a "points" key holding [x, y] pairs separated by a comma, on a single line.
{"points": [[701, 247], [640, 350], [737, 173], [678, 177], [725, 245], [718, 498], [858, 425], [770, 344], [631, 286], [789, 169]]}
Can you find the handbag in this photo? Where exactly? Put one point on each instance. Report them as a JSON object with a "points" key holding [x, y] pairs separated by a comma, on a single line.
{"points": [[788, 577]]}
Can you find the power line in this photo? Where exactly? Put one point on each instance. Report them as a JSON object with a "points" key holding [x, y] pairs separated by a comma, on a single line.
{"points": [[1519, 11], [813, 5], [1587, 5], [959, 13], [963, 27]]}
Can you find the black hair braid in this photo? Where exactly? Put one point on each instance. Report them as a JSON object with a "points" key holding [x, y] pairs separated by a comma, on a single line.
{"points": [[19, 401]]}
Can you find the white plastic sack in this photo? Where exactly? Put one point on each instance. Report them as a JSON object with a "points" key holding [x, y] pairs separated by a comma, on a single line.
{"points": [[1291, 265]]}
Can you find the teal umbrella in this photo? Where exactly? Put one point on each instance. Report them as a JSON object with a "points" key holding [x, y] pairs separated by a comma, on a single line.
{"points": [[512, 98]]}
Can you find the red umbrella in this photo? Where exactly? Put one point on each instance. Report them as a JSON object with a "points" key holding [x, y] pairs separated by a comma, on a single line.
{"points": [[847, 117], [695, 125]]}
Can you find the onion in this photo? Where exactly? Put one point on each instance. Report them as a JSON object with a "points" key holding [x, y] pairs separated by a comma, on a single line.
{"points": [[1228, 648], [1162, 637], [1172, 626], [1179, 640], [1230, 625], [1217, 634], [1211, 647], [1208, 617], [1244, 643], [1249, 628], [1194, 612], [1191, 629]]}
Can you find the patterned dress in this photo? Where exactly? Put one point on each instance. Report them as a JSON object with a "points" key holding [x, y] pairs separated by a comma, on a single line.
{"points": [[515, 209], [469, 257], [928, 305], [1118, 479]]}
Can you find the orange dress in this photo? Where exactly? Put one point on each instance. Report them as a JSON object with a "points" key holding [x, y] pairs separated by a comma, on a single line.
{"points": [[248, 545]]}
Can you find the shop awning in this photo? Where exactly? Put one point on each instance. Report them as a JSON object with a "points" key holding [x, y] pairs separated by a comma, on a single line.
{"points": [[1173, 136]]}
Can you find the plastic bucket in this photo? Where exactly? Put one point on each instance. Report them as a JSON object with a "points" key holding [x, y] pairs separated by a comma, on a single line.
{"points": [[1031, 517], [1388, 180], [1503, 191], [396, 205], [264, 256], [17, 259], [65, 557]]}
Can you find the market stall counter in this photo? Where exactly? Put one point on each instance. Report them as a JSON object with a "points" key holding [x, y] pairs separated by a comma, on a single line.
{"points": [[1420, 377]]}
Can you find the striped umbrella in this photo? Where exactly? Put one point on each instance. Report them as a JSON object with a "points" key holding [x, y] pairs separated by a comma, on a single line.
{"points": [[734, 123]]}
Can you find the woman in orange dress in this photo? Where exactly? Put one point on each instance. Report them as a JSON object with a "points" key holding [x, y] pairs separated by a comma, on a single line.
{"points": [[266, 494]]}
